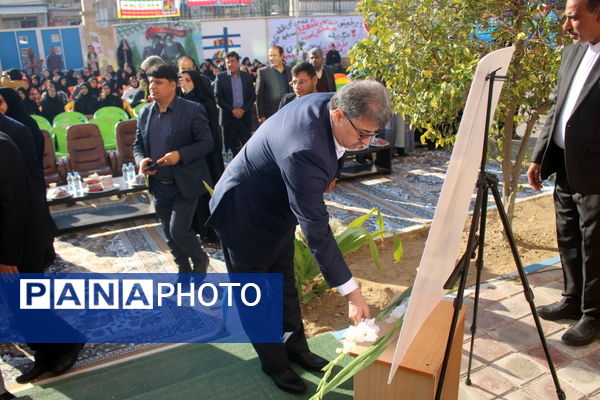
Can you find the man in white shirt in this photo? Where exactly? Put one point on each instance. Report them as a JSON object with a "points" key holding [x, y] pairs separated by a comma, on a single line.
{"points": [[570, 146]]}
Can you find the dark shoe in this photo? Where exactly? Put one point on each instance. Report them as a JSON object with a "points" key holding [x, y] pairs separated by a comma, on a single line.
{"points": [[288, 381], [65, 361], [560, 310], [201, 265], [35, 372], [583, 332], [308, 360], [7, 396]]}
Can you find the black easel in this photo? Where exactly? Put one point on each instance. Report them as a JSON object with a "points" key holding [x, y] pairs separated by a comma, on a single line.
{"points": [[487, 182]]}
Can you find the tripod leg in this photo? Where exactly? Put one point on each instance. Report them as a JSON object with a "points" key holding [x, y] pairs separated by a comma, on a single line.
{"points": [[458, 301], [526, 288], [479, 267]]}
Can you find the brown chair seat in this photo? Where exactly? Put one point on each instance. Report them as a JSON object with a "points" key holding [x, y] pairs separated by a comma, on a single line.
{"points": [[54, 170]]}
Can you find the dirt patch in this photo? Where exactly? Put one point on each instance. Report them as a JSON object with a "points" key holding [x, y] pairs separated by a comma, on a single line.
{"points": [[534, 230]]}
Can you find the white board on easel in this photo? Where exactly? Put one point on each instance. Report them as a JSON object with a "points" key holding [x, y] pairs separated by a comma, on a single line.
{"points": [[439, 257]]}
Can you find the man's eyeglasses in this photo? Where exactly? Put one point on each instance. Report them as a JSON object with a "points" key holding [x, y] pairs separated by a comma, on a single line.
{"points": [[298, 82], [362, 132]]}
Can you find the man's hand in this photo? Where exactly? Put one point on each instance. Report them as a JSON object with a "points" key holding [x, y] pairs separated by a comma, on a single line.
{"points": [[8, 269], [534, 177], [357, 306], [169, 159], [238, 113], [262, 119], [144, 164], [331, 186]]}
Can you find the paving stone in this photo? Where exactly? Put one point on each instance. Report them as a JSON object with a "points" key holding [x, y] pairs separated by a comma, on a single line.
{"points": [[548, 327], [519, 394], [500, 290], [551, 290], [464, 363], [593, 359], [514, 307], [487, 349], [518, 369], [517, 335], [536, 353], [468, 393], [488, 382], [489, 321], [580, 375], [574, 351], [544, 389]]}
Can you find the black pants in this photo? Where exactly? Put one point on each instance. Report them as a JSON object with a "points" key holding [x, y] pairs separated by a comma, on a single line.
{"points": [[236, 133], [578, 234], [176, 214], [274, 356]]}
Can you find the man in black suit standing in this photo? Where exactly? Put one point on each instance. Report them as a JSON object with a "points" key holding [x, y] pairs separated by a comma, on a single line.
{"points": [[325, 79], [174, 133], [276, 182], [234, 93], [272, 82], [304, 81], [570, 146]]}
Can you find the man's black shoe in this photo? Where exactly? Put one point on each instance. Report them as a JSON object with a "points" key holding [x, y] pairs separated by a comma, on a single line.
{"points": [[308, 360], [288, 381], [583, 332], [38, 370], [201, 266], [7, 396], [65, 361], [560, 310]]}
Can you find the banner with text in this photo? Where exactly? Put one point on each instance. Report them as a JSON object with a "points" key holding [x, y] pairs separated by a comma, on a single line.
{"points": [[298, 35], [141, 308], [148, 8]]}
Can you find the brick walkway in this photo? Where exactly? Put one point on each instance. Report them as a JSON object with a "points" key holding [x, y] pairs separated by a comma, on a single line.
{"points": [[508, 360]]}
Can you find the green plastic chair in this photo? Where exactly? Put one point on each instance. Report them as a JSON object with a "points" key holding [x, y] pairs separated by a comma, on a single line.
{"points": [[107, 130], [42, 122], [112, 112], [71, 117], [60, 135], [136, 109]]}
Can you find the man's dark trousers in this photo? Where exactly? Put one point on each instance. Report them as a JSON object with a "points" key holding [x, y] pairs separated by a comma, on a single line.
{"points": [[578, 234], [236, 132], [176, 215], [274, 356]]}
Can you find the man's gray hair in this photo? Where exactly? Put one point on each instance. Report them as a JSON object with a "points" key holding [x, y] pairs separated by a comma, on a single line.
{"points": [[151, 63], [366, 99], [316, 51]]}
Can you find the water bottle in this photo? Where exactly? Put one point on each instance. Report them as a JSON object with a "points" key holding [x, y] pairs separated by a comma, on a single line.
{"points": [[71, 183], [127, 172], [132, 174], [78, 184], [224, 155], [229, 156]]}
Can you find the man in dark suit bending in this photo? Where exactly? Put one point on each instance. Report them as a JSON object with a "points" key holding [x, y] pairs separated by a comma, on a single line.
{"points": [[175, 133], [276, 182], [570, 146]]}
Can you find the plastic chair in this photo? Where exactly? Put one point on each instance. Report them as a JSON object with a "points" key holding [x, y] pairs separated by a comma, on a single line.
{"points": [[107, 130], [72, 117], [42, 122], [111, 111], [60, 135], [136, 109]]}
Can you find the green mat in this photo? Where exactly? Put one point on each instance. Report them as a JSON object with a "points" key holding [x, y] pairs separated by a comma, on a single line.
{"points": [[194, 371]]}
